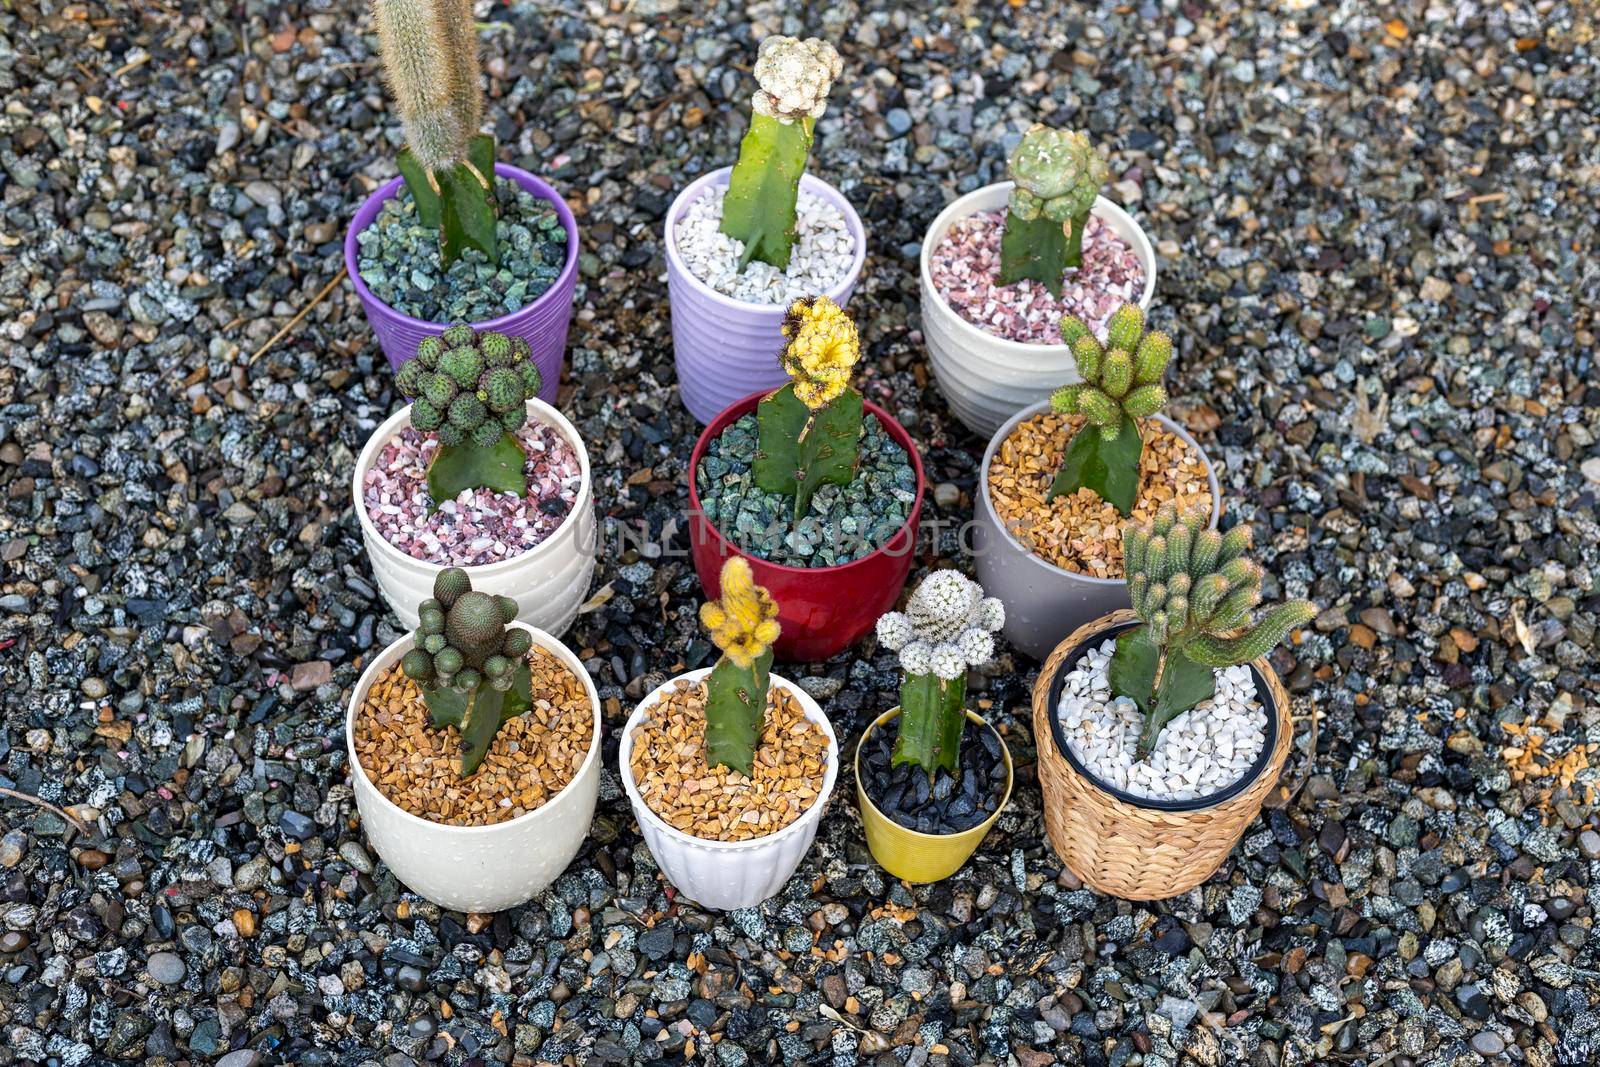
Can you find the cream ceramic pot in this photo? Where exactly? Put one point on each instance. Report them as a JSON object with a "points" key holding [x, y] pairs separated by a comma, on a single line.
{"points": [[727, 874], [549, 581], [478, 868], [985, 378]]}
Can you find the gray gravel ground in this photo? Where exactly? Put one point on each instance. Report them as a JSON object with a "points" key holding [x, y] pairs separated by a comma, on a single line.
{"points": [[1378, 228]]}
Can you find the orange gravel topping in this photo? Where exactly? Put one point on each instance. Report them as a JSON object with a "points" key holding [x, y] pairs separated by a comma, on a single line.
{"points": [[1081, 532], [532, 758], [669, 768]]}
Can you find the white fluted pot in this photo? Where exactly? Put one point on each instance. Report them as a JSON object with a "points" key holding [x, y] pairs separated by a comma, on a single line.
{"points": [[986, 379], [548, 582], [727, 874], [478, 868]]}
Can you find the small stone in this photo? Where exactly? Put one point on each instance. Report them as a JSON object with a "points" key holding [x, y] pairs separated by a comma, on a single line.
{"points": [[166, 968]]}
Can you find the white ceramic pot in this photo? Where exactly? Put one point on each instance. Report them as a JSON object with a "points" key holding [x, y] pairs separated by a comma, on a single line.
{"points": [[985, 378], [549, 581], [478, 868], [727, 874], [1045, 603]]}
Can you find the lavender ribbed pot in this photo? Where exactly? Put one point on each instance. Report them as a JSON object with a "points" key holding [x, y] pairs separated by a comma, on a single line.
{"points": [[543, 323], [725, 348]]}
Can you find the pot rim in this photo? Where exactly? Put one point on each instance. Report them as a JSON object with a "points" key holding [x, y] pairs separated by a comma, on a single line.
{"points": [[541, 188], [1269, 741], [993, 518], [642, 810], [392, 425], [725, 548], [721, 176], [972, 716], [964, 207], [392, 654]]}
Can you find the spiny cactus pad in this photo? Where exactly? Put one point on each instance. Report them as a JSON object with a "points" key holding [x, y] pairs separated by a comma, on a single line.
{"points": [[471, 667], [1121, 385], [1057, 175], [471, 389], [1194, 592]]}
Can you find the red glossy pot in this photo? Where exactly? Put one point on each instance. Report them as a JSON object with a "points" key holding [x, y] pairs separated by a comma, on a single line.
{"points": [[823, 610]]}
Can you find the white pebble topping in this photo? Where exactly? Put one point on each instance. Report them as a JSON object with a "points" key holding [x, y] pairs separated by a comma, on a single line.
{"points": [[823, 251], [1201, 752]]}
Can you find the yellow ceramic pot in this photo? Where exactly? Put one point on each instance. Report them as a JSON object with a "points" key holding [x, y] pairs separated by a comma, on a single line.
{"points": [[914, 856]]}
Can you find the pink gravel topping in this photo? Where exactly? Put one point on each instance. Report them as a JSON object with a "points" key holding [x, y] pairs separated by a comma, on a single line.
{"points": [[479, 526], [965, 267]]}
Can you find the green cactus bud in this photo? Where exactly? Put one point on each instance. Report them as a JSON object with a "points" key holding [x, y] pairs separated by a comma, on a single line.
{"points": [[1178, 585], [1156, 595], [476, 626], [430, 621], [512, 421], [1155, 555], [467, 411], [1207, 597], [486, 433], [1098, 408], [1157, 625], [1072, 328], [1138, 593], [448, 586], [1088, 355], [1177, 613], [520, 349], [468, 678], [496, 347], [1203, 555], [1254, 643], [508, 608], [532, 380], [1151, 358], [448, 661], [1116, 373], [1144, 401], [1134, 541], [496, 665], [425, 415], [417, 665], [1125, 327], [1166, 518], [502, 390], [517, 643], [429, 349], [1178, 542], [1241, 572], [450, 434], [457, 335], [439, 390], [1064, 401], [1235, 543], [433, 644], [1235, 608], [463, 365], [408, 379]]}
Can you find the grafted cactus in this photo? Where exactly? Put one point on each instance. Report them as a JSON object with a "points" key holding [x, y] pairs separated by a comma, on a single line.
{"points": [[759, 207], [471, 390], [1058, 174], [1194, 590], [808, 431], [1121, 385], [472, 668], [430, 60], [743, 624], [947, 627]]}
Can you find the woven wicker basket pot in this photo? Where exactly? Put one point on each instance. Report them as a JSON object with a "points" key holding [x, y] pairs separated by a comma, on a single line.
{"points": [[1133, 847]]}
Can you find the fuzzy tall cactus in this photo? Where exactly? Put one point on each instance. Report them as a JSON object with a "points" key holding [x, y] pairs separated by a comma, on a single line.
{"points": [[472, 668], [471, 389], [759, 208], [808, 431], [1121, 385], [1194, 591], [430, 60], [1058, 174], [743, 624], [947, 627]]}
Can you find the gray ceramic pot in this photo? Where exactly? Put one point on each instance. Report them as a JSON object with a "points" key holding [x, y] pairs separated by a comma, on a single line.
{"points": [[1044, 603]]}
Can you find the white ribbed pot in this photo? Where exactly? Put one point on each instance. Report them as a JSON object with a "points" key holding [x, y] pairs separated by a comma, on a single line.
{"points": [[1045, 603], [478, 868], [727, 874], [549, 581], [986, 378]]}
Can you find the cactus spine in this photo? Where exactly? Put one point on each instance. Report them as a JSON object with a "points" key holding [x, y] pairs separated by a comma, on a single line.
{"points": [[743, 624], [759, 207], [430, 61], [1194, 591], [471, 390], [1058, 174], [808, 431], [1121, 385], [947, 627], [471, 667]]}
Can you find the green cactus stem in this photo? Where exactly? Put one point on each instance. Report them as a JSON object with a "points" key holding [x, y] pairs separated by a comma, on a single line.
{"points": [[471, 390], [1121, 385], [471, 666], [1057, 175], [933, 712], [1194, 592], [430, 60], [736, 709], [759, 207]]}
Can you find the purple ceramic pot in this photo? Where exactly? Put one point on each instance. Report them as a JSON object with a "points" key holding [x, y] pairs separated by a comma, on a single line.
{"points": [[725, 348], [543, 323]]}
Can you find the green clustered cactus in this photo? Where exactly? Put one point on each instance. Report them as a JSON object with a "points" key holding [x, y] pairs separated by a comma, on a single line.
{"points": [[471, 667], [1194, 591], [430, 60], [1057, 176], [1121, 384], [471, 390]]}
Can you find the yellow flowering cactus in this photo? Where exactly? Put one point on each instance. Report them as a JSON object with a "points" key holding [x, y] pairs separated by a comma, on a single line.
{"points": [[809, 430], [743, 623]]}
